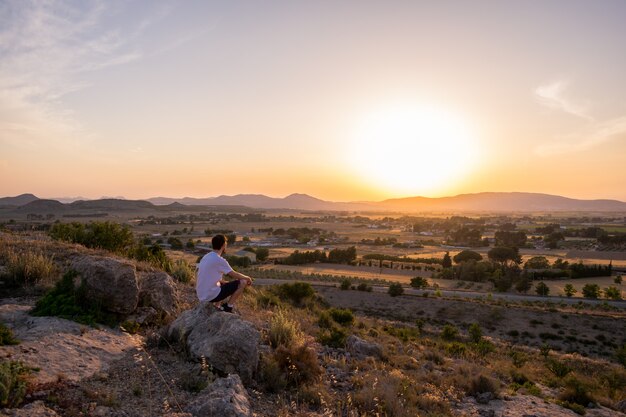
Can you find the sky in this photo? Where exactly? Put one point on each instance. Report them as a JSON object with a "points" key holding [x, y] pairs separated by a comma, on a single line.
{"points": [[345, 101]]}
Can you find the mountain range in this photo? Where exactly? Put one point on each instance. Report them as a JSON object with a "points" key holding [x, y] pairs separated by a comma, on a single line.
{"points": [[479, 202]]}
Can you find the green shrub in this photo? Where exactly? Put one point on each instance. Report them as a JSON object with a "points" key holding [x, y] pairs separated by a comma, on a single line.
{"points": [[104, 235], [449, 332], [483, 347], [181, 271], [591, 291], [283, 330], [559, 369], [70, 302], [419, 282], [395, 289], [266, 299], [295, 292], [154, 255], [333, 337], [403, 333], [518, 358], [131, 327], [345, 284], [576, 392], [26, 267], [342, 316], [457, 349], [475, 332], [6, 336], [325, 321], [364, 287], [13, 383]]}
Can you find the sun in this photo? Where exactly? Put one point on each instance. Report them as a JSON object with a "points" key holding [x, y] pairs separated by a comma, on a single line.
{"points": [[412, 149]]}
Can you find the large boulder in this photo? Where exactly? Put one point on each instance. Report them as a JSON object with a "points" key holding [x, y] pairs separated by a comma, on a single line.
{"points": [[362, 348], [225, 397], [109, 281], [157, 290], [228, 343]]}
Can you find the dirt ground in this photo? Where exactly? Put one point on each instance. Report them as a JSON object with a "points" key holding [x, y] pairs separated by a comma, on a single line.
{"points": [[566, 331]]}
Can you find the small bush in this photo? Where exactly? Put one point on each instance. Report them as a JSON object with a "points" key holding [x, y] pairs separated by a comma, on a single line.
{"points": [[419, 282], [6, 336], [295, 292], [395, 289], [181, 271], [576, 392], [364, 287], [266, 299], [483, 347], [403, 333], [345, 284], [449, 332], [333, 337], [342, 316], [518, 358], [154, 255], [456, 349], [577, 408], [325, 321], [299, 364], [13, 383], [475, 332], [283, 330], [559, 369], [482, 384]]}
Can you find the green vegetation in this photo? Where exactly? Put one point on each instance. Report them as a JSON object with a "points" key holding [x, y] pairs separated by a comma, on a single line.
{"points": [[182, 271], [67, 301], [295, 293], [13, 383], [103, 235], [6, 336], [449, 332], [591, 291], [342, 316], [283, 330], [542, 289], [419, 282], [569, 290], [475, 333], [395, 289]]}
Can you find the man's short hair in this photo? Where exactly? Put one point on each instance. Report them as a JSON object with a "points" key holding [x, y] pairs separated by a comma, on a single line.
{"points": [[218, 241]]}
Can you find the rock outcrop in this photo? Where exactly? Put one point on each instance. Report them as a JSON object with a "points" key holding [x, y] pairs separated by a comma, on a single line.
{"points": [[120, 289], [225, 397], [228, 343], [109, 281], [34, 409], [157, 290], [362, 348]]}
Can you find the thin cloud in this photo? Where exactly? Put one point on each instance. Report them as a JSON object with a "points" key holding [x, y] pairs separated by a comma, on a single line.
{"points": [[553, 96], [594, 133], [46, 49], [597, 134]]}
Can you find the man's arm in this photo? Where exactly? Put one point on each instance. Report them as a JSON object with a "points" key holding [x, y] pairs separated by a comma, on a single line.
{"points": [[238, 275]]}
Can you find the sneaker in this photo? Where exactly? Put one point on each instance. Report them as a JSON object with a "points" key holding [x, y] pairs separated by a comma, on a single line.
{"points": [[226, 308]]}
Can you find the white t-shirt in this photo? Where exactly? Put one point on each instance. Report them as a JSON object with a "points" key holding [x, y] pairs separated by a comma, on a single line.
{"points": [[210, 271]]}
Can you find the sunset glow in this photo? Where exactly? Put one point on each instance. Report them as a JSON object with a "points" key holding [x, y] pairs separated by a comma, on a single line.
{"points": [[340, 100], [412, 149]]}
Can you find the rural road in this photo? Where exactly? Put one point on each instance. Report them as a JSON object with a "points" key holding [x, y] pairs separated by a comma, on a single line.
{"points": [[466, 294]]}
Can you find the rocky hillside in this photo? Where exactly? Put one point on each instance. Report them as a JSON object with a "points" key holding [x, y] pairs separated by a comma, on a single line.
{"points": [[285, 352]]}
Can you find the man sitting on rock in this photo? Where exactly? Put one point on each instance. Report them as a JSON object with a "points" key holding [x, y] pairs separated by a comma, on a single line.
{"points": [[209, 283]]}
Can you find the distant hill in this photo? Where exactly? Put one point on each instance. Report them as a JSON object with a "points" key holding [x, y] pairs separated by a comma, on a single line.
{"points": [[479, 202], [42, 206], [260, 201], [502, 202], [489, 201], [111, 204], [17, 201]]}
